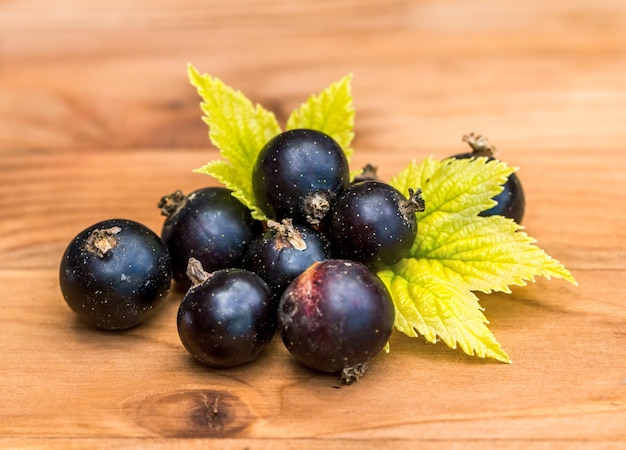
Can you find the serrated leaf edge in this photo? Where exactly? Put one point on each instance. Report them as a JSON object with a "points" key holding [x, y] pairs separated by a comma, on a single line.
{"points": [[399, 288]]}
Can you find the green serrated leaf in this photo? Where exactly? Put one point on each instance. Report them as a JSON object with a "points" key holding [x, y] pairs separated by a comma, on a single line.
{"points": [[457, 252], [455, 186], [232, 179], [484, 253], [238, 128], [438, 309], [331, 112]]}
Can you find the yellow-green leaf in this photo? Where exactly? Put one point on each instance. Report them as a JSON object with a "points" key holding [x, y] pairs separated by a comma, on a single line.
{"points": [[238, 128], [458, 252], [439, 310], [331, 112], [455, 186], [484, 253]]}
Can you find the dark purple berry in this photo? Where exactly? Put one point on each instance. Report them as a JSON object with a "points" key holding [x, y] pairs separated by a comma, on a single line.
{"points": [[284, 251], [373, 223], [297, 175], [336, 316], [210, 225], [227, 317], [510, 202], [115, 274]]}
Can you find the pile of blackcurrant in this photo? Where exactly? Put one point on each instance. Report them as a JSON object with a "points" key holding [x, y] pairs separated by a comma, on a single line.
{"points": [[308, 272]]}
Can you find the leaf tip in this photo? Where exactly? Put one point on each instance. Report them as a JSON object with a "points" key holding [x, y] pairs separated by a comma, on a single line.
{"points": [[569, 277], [505, 360], [203, 170], [193, 74]]}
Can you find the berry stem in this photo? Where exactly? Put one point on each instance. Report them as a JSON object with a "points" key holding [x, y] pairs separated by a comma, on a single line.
{"points": [[480, 145], [101, 241], [196, 272], [170, 204], [316, 206], [414, 204], [352, 374], [369, 172], [286, 235]]}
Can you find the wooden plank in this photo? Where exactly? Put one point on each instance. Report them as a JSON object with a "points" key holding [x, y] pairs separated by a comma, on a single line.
{"points": [[98, 120], [67, 380], [106, 76], [48, 196], [64, 380]]}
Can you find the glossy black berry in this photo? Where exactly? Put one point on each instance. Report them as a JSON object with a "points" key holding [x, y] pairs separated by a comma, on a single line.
{"points": [[297, 175], [227, 317], [336, 316], [284, 251], [210, 225], [373, 223], [510, 202], [115, 274]]}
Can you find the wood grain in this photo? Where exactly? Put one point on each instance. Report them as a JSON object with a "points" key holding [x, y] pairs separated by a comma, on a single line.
{"points": [[98, 120]]}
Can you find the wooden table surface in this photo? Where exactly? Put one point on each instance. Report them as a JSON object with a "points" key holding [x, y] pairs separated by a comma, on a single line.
{"points": [[98, 120]]}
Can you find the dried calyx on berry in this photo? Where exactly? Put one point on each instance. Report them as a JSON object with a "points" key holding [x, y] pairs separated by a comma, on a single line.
{"points": [[284, 251], [480, 145], [369, 172]]}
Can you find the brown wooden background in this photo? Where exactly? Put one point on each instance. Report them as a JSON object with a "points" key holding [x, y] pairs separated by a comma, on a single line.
{"points": [[97, 120]]}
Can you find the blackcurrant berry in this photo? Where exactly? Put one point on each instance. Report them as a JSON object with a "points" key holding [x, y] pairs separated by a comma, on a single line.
{"points": [[210, 225], [297, 175], [336, 316], [115, 274], [227, 317], [510, 202], [373, 223], [284, 251]]}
